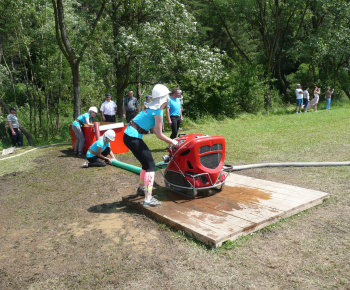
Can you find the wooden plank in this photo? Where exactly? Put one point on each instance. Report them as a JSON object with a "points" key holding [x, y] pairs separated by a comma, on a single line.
{"points": [[245, 205], [280, 188]]}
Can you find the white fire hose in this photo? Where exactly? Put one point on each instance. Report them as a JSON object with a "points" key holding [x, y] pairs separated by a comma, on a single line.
{"points": [[289, 164]]}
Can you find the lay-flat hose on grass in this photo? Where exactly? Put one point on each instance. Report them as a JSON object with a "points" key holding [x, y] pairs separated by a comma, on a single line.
{"points": [[289, 164]]}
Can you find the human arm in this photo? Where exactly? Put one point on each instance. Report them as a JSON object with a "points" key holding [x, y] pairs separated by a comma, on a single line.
{"points": [[112, 155], [103, 116], [88, 123], [11, 128], [168, 115], [158, 131], [124, 109], [181, 119]]}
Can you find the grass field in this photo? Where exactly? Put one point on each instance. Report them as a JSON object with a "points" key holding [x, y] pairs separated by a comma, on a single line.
{"points": [[63, 227]]}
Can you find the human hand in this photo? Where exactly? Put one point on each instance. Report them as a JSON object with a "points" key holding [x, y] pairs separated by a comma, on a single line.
{"points": [[175, 143]]}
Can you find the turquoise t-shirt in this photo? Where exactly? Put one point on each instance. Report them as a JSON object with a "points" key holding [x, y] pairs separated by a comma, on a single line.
{"points": [[99, 143], [175, 107], [81, 118], [145, 119]]}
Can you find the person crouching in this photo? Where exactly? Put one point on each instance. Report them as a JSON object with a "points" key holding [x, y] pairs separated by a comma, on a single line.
{"points": [[98, 152]]}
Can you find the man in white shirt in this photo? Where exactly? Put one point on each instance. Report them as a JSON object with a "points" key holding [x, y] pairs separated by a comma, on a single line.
{"points": [[108, 109], [300, 94]]}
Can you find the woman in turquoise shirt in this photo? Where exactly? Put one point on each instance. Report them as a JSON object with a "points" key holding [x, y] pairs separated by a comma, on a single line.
{"points": [[76, 126], [98, 152], [150, 117]]}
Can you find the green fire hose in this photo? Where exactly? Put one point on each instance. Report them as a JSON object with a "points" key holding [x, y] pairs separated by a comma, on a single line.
{"points": [[133, 168]]}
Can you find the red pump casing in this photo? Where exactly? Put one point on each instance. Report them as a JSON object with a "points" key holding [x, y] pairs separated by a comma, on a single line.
{"points": [[196, 163]]}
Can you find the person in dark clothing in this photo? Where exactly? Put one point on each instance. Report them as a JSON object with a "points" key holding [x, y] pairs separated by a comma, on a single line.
{"points": [[14, 130], [131, 107], [174, 113]]}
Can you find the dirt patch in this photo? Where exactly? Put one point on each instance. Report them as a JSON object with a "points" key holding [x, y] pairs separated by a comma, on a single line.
{"points": [[65, 227]]}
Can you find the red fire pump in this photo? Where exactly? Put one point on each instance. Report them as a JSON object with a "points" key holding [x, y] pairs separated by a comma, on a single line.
{"points": [[196, 163]]}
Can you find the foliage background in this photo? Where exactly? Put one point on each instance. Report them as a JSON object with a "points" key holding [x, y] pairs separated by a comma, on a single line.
{"points": [[228, 57]]}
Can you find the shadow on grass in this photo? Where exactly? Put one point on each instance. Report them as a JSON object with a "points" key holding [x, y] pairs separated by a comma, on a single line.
{"points": [[67, 153], [113, 207]]}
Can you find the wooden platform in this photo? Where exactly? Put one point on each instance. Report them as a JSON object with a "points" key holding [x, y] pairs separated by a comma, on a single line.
{"points": [[245, 205]]}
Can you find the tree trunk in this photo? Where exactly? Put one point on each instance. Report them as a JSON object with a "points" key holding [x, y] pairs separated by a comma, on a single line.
{"points": [[76, 88], [69, 52], [59, 96], [282, 83]]}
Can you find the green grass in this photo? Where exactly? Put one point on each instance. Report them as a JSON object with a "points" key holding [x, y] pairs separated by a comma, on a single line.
{"points": [[292, 137], [260, 138]]}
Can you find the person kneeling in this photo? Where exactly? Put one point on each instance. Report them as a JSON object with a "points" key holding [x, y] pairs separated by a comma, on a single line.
{"points": [[98, 152]]}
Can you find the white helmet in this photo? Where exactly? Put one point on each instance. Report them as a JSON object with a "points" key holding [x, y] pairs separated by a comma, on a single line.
{"points": [[93, 109], [110, 134], [159, 91]]}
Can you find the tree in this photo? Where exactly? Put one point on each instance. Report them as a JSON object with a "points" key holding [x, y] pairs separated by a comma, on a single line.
{"points": [[74, 58], [145, 39]]}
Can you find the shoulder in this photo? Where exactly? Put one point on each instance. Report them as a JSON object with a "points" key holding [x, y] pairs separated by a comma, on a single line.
{"points": [[99, 142]]}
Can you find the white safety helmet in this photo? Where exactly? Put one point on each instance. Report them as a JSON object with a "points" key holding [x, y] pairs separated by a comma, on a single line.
{"points": [[159, 91], [110, 134], [92, 109]]}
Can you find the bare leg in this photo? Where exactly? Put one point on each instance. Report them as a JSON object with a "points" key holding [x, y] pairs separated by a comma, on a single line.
{"points": [[149, 180]]}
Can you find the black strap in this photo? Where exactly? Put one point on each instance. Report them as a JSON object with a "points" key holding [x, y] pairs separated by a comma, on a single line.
{"points": [[137, 127]]}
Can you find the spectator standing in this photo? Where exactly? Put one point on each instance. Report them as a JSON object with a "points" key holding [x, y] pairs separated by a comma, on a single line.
{"points": [[131, 107], [181, 98], [300, 94], [148, 100], [108, 109], [14, 130], [306, 98], [313, 103], [329, 94], [173, 112], [78, 131]]}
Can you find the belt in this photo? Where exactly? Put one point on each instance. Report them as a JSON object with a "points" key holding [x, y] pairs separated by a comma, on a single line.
{"points": [[137, 128], [92, 152], [80, 122], [109, 115]]}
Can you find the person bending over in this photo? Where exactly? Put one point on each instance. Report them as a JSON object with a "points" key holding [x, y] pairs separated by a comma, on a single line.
{"points": [[78, 130], [151, 117]]}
